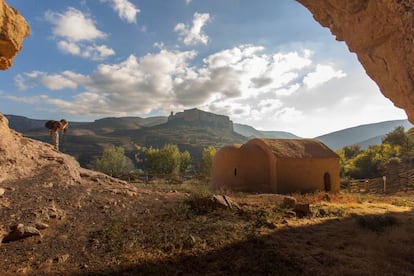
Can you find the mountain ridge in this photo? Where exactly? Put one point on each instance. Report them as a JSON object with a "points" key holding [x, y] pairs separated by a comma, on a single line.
{"points": [[191, 130]]}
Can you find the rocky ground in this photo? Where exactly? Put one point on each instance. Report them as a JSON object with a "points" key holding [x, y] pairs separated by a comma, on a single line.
{"points": [[57, 218]]}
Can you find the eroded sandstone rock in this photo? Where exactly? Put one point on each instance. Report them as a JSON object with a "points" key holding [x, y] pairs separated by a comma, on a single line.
{"points": [[20, 231], [381, 33], [13, 30]]}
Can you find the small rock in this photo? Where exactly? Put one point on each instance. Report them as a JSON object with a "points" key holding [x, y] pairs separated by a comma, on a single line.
{"points": [[225, 202], [288, 202], [2, 191], [41, 225], [3, 233], [61, 259], [326, 197], [20, 231], [290, 214], [302, 210]]}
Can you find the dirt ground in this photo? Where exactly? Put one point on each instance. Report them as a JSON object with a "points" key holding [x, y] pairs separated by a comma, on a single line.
{"points": [[94, 229], [59, 219]]}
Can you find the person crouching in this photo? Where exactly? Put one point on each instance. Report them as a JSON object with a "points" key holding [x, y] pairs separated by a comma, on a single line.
{"points": [[54, 128]]}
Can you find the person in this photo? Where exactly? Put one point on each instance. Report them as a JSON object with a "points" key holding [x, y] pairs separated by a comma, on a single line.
{"points": [[54, 128]]}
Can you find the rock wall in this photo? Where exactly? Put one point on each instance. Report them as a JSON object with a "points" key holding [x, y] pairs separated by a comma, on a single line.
{"points": [[22, 158], [13, 30], [381, 33], [200, 117]]}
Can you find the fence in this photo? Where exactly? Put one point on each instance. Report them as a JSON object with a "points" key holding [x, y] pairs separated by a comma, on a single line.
{"points": [[391, 183], [148, 178]]}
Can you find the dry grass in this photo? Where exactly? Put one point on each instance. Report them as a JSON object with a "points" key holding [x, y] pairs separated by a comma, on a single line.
{"points": [[347, 234]]}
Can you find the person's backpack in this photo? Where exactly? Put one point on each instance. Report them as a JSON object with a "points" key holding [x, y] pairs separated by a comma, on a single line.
{"points": [[49, 124]]}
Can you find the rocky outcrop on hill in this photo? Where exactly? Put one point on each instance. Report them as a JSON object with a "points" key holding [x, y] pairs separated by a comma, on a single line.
{"points": [[381, 33], [22, 157], [199, 117], [47, 199], [13, 29]]}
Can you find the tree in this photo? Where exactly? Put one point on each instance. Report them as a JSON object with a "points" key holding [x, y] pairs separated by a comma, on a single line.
{"points": [[152, 160], [185, 161], [207, 160], [167, 160], [170, 157], [371, 162], [113, 162], [351, 151], [396, 137]]}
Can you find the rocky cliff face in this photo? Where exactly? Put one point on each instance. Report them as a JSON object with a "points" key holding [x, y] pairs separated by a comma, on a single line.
{"points": [[381, 33], [13, 29], [201, 118]]}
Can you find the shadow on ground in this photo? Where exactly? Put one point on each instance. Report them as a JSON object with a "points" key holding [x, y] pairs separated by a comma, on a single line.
{"points": [[357, 245]]}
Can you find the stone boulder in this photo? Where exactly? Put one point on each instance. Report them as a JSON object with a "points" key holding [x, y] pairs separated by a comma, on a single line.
{"points": [[13, 30], [20, 231], [22, 157], [381, 33]]}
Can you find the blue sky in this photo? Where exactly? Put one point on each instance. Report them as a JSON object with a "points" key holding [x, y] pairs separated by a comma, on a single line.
{"points": [[264, 63]]}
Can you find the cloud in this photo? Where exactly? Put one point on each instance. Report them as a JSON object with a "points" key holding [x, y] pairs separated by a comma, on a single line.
{"points": [[69, 47], [78, 33], [247, 83], [187, 2], [125, 9], [97, 52], [52, 82], [322, 74], [73, 25], [191, 35]]}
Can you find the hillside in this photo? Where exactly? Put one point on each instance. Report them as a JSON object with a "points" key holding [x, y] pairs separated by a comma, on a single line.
{"points": [[57, 218], [86, 140], [363, 135], [251, 132]]}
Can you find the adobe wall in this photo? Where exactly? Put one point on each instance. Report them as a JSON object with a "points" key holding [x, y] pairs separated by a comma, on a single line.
{"points": [[257, 168], [306, 175], [250, 168], [226, 160]]}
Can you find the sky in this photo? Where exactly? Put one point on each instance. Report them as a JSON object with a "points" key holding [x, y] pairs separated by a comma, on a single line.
{"points": [[264, 63]]}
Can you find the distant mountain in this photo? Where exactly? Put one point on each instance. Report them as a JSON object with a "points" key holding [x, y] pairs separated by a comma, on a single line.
{"points": [[23, 124], [363, 135], [191, 130], [251, 132]]}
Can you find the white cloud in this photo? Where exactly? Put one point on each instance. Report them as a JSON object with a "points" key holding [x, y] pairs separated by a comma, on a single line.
{"points": [[266, 90], [187, 2], [57, 82], [191, 35], [73, 25], [322, 74], [52, 82], [78, 34], [97, 52], [228, 80], [125, 9], [69, 47]]}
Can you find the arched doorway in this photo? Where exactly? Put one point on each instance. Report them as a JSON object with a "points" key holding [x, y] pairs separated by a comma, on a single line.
{"points": [[327, 182]]}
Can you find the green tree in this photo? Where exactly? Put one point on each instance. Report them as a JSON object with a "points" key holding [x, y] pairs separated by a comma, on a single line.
{"points": [[351, 151], [185, 161], [371, 162], [153, 160], [396, 137], [113, 162], [170, 155], [207, 160], [167, 160]]}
